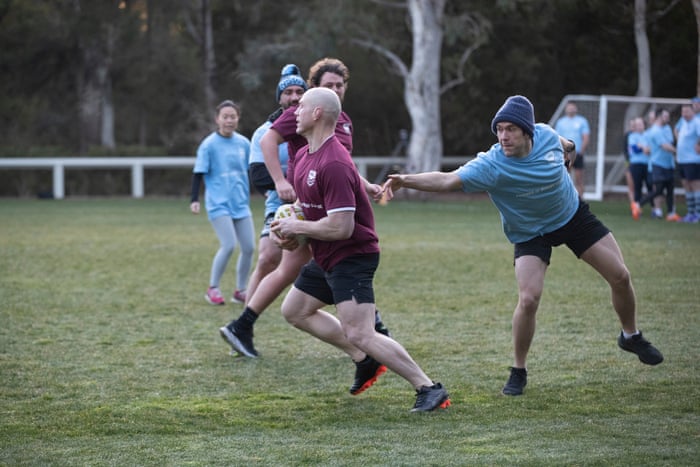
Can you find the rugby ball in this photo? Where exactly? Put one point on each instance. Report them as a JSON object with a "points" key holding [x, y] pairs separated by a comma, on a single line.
{"points": [[289, 210]]}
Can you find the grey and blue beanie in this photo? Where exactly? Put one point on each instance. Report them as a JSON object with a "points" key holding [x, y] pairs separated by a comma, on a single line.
{"points": [[518, 110], [291, 76]]}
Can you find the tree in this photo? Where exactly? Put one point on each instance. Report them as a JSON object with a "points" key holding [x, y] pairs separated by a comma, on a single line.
{"points": [[203, 35], [641, 40], [422, 88], [696, 8], [97, 35]]}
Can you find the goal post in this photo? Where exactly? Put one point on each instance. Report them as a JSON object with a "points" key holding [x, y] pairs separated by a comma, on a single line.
{"points": [[608, 117]]}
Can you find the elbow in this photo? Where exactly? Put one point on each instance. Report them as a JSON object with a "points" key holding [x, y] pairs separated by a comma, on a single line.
{"points": [[343, 233]]}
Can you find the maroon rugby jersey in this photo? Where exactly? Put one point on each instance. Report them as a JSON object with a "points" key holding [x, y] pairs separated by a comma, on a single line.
{"points": [[327, 181]]}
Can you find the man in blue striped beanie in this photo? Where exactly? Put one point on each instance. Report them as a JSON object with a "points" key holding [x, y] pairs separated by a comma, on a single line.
{"points": [[290, 76]]}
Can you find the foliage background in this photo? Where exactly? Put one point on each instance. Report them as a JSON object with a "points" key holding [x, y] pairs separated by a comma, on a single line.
{"points": [[539, 48]]}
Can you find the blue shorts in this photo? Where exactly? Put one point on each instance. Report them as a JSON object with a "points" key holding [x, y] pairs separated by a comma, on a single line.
{"points": [[689, 171], [578, 162], [350, 279], [579, 234]]}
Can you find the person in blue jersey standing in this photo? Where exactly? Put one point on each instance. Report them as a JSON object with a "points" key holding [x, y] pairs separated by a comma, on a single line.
{"points": [[222, 162], [575, 127], [663, 164], [526, 178], [639, 164], [687, 133], [289, 90]]}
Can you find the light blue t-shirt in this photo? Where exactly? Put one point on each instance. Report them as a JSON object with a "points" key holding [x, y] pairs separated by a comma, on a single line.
{"points": [[272, 199], [656, 136], [224, 164], [573, 128], [534, 194], [635, 148], [688, 136]]}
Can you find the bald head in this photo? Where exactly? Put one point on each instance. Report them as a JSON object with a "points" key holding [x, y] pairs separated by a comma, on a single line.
{"points": [[326, 100]]}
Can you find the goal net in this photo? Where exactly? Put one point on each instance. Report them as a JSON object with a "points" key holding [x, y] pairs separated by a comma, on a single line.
{"points": [[608, 118]]}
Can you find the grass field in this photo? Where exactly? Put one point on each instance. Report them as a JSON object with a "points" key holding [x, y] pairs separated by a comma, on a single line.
{"points": [[109, 354]]}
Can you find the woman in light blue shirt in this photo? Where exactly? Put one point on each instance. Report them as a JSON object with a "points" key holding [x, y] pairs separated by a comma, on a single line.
{"points": [[526, 177], [222, 162]]}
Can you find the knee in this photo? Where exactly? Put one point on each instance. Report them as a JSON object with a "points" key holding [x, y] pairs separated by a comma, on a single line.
{"points": [[266, 264], [621, 279], [227, 249], [528, 301], [247, 248], [291, 315], [268, 261], [356, 337]]}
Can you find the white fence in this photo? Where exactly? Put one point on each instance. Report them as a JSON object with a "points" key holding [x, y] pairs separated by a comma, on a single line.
{"points": [[138, 164]]}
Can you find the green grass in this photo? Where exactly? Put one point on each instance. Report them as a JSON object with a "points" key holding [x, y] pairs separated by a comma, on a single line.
{"points": [[110, 356]]}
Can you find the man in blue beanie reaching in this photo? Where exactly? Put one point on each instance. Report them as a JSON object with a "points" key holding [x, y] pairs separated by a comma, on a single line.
{"points": [[526, 177]]}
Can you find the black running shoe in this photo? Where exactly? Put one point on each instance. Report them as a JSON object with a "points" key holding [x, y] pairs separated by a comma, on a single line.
{"points": [[430, 398], [637, 344], [239, 341], [379, 326], [366, 373], [516, 383]]}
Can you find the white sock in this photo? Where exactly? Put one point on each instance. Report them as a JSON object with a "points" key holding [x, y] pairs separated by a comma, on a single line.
{"points": [[628, 335]]}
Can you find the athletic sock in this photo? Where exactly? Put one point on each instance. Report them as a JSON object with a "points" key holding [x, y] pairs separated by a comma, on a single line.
{"points": [[690, 201], [697, 203], [247, 319], [628, 335]]}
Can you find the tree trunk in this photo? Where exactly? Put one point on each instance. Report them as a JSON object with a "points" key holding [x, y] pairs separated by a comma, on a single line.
{"points": [[105, 83], [208, 57], [94, 85], [644, 81], [91, 98], [422, 90], [696, 7], [643, 55], [107, 111]]}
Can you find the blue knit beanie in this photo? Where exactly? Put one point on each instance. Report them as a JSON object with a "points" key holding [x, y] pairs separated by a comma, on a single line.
{"points": [[291, 76], [518, 110]]}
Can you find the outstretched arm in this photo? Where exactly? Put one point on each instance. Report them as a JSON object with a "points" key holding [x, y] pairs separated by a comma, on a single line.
{"points": [[427, 181]]}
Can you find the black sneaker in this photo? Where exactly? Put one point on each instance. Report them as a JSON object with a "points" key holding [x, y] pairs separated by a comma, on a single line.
{"points": [[516, 383], [241, 342], [366, 373], [637, 344], [379, 326], [430, 398]]}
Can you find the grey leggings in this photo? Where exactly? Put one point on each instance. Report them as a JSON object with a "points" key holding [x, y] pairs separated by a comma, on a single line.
{"points": [[229, 231]]}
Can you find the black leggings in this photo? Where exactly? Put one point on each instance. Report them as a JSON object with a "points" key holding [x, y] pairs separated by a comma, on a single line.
{"points": [[659, 188], [640, 178]]}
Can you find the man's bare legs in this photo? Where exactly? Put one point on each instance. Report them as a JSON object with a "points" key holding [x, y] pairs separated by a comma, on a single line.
{"points": [[353, 333], [269, 257]]}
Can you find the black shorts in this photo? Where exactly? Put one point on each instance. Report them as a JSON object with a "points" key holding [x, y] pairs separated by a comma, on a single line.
{"points": [[350, 278], [578, 162], [689, 171], [661, 175], [579, 234]]}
